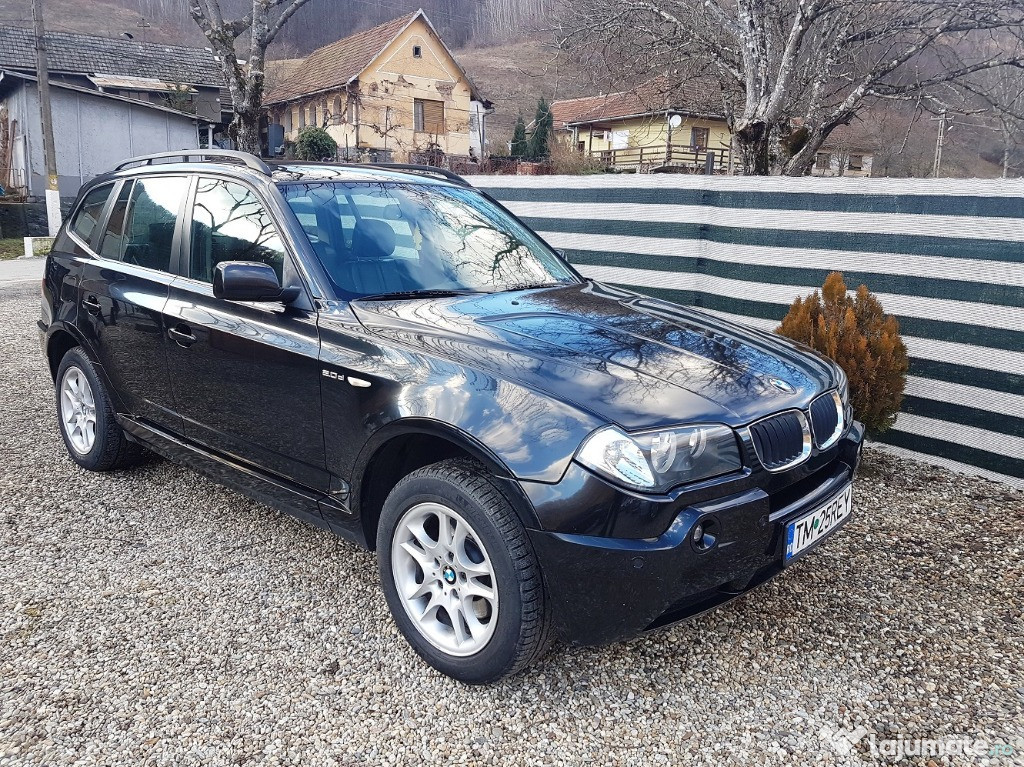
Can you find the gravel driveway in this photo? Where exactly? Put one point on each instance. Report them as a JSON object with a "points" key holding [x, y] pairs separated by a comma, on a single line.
{"points": [[154, 617]]}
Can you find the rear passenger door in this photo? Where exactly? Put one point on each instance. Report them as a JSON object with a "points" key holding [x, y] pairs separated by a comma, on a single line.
{"points": [[124, 291], [246, 375]]}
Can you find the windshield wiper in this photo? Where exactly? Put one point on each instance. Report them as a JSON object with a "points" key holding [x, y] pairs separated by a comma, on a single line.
{"points": [[532, 286], [398, 295]]}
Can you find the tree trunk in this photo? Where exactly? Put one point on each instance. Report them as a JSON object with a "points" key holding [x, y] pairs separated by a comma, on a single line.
{"points": [[246, 130], [801, 163], [1006, 150], [753, 142], [245, 127]]}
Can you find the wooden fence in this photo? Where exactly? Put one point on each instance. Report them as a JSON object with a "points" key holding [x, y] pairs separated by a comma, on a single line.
{"points": [[678, 157]]}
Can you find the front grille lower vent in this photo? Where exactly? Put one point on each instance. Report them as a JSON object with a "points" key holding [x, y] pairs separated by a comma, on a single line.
{"points": [[827, 419], [782, 441]]}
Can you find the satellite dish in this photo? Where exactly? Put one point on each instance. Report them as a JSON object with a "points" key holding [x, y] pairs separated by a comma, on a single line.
{"points": [[675, 121]]}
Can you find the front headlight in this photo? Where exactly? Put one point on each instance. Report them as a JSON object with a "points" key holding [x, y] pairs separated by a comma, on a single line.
{"points": [[844, 386], [657, 460]]}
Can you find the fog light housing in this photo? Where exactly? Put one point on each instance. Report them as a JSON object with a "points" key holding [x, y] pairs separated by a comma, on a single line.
{"points": [[704, 535]]}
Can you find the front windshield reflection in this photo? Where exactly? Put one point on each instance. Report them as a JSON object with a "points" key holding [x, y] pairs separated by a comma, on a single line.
{"points": [[376, 238]]}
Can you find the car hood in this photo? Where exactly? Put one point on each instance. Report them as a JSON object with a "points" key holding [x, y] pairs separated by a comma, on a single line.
{"points": [[626, 358]]}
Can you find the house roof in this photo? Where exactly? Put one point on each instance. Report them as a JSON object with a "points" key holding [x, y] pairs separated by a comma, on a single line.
{"points": [[9, 76], [340, 62], [656, 96], [278, 70], [851, 139], [91, 55], [125, 83]]}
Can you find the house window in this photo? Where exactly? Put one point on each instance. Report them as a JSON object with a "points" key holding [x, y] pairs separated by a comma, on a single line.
{"points": [[417, 52], [351, 110], [856, 162], [581, 146], [699, 137], [336, 112], [429, 116], [312, 115], [302, 118], [823, 161], [289, 122]]}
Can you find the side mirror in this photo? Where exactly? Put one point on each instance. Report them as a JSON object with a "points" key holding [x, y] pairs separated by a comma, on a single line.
{"points": [[249, 281]]}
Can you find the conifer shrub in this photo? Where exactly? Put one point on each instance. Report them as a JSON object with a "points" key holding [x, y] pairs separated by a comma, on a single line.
{"points": [[862, 339], [315, 144]]}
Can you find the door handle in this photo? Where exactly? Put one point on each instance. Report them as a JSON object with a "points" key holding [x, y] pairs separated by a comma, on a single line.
{"points": [[92, 305], [182, 336]]}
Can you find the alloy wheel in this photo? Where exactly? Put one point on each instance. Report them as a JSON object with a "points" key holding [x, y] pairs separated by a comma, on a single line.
{"points": [[78, 410], [444, 579]]}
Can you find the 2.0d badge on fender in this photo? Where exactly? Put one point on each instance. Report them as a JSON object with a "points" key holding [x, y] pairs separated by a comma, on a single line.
{"points": [[389, 354]]}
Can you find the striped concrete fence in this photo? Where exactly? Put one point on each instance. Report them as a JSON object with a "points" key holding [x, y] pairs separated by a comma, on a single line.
{"points": [[945, 256]]}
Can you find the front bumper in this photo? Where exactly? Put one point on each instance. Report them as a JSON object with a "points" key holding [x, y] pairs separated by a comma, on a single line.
{"points": [[605, 589]]}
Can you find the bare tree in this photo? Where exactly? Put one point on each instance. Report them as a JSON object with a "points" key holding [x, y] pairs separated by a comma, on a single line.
{"points": [[1000, 93], [244, 78], [791, 71]]}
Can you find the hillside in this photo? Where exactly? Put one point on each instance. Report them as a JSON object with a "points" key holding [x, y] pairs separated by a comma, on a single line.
{"points": [[319, 22], [514, 76], [511, 73], [106, 18]]}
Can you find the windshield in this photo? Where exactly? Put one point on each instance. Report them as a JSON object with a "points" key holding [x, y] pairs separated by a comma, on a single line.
{"points": [[378, 239]]}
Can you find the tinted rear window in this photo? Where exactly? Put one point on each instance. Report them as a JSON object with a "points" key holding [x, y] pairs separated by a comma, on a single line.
{"points": [[149, 224], [89, 212]]}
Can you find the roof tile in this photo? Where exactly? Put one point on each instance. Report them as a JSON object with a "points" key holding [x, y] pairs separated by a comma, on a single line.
{"points": [[90, 55], [333, 65], [658, 95]]}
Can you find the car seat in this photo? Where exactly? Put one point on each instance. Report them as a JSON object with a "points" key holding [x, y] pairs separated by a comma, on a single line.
{"points": [[371, 266]]}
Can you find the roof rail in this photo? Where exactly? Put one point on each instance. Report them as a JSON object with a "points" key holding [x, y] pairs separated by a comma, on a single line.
{"points": [[213, 155], [425, 170]]}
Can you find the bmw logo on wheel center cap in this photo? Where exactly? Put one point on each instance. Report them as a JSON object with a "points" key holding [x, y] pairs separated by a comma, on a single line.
{"points": [[448, 574]]}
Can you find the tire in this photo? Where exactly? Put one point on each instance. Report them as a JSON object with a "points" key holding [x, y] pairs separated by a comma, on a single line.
{"points": [[503, 634], [92, 437]]}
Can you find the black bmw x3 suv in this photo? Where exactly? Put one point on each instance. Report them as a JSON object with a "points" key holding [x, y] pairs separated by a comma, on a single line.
{"points": [[388, 353]]}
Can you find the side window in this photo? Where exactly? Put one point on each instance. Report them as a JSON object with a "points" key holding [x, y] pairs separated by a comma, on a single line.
{"points": [[112, 245], [89, 212], [229, 223], [149, 223]]}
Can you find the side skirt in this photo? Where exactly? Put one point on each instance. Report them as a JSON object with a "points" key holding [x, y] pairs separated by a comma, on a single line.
{"points": [[264, 487]]}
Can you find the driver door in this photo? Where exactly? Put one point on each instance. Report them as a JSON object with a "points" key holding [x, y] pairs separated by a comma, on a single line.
{"points": [[246, 375]]}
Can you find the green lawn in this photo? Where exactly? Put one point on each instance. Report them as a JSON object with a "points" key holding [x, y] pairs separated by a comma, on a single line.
{"points": [[12, 248]]}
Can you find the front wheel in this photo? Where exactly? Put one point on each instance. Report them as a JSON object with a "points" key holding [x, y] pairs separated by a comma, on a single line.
{"points": [[459, 575]]}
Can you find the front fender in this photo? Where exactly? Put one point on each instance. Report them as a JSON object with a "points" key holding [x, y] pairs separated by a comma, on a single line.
{"points": [[528, 433]]}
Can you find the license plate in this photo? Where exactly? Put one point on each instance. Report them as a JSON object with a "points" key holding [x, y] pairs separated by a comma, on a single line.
{"points": [[803, 533]]}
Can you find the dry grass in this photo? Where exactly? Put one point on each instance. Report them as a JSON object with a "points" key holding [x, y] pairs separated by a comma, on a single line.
{"points": [[13, 247]]}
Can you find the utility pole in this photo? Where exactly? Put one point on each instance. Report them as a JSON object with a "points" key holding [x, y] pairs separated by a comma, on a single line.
{"points": [[49, 151], [940, 141]]}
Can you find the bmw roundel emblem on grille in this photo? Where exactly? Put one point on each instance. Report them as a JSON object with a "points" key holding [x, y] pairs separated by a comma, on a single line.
{"points": [[781, 385]]}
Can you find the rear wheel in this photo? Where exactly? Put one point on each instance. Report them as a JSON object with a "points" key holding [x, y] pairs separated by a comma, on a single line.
{"points": [[459, 574], [86, 418]]}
